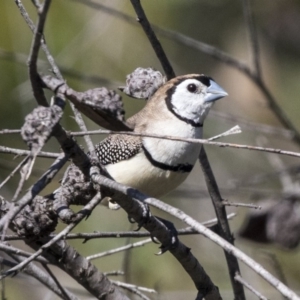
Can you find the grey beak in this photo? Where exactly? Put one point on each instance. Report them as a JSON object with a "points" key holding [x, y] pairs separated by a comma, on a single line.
{"points": [[214, 92]]}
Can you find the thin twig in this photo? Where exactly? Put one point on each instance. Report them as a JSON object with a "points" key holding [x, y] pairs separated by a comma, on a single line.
{"points": [[19, 188], [20, 152], [120, 234], [155, 43], [34, 190], [36, 3], [14, 171], [173, 138], [247, 124], [194, 141], [248, 14], [120, 249], [234, 130], [12, 250], [82, 126], [62, 289], [238, 278], [10, 131], [114, 273], [137, 290], [250, 205]]}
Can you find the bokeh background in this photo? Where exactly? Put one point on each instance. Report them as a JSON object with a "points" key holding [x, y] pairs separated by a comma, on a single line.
{"points": [[93, 49]]}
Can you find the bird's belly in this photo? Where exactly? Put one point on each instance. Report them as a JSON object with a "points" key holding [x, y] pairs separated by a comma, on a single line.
{"points": [[139, 173]]}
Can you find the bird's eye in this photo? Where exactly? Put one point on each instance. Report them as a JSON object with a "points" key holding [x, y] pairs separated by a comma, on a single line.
{"points": [[192, 88]]}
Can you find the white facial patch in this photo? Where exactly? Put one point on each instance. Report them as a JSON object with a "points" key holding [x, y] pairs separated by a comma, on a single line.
{"points": [[188, 102]]}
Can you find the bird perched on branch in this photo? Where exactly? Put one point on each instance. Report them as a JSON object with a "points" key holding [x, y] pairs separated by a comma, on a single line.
{"points": [[152, 165], [157, 166]]}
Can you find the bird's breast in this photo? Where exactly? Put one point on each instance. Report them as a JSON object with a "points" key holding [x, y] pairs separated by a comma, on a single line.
{"points": [[138, 172], [162, 164]]}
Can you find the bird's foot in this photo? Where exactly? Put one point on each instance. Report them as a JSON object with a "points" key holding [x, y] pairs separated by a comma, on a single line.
{"points": [[173, 237], [146, 214]]}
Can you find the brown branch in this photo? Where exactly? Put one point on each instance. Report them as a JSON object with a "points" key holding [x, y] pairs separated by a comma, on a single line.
{"points": [[223, 225], [33, 56], [155, 43]]}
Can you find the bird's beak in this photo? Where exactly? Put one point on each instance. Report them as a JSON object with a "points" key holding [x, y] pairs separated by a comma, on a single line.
{"points": [[214, 92]]}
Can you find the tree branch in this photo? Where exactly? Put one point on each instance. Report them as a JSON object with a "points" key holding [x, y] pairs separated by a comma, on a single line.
{"points": [[160, 53], [223, 225]]}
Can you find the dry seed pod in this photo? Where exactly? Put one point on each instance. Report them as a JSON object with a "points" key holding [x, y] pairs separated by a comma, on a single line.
{"points": [[143, 83]]}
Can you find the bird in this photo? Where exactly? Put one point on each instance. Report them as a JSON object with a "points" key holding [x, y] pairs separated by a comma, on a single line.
{"points": [[157, 166]]}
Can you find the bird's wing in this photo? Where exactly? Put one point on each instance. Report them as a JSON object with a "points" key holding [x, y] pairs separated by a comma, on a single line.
{"points": [[117, 147]]}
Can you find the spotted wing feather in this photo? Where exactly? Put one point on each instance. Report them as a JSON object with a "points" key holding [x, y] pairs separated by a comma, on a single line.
{"points": [[116, 148]]}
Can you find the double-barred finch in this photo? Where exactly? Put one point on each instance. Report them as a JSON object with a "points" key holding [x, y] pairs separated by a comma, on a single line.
{"points": [[157, 166]]}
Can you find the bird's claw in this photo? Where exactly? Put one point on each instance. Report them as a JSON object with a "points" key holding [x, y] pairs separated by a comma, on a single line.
{"points": [[144, 219], [174, 237]]}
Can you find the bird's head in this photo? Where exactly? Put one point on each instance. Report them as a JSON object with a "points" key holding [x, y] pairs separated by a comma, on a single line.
{"points": [[190, 97]]}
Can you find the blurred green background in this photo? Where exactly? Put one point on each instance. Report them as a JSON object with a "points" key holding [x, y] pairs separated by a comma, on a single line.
{"points": [[91, 43]]}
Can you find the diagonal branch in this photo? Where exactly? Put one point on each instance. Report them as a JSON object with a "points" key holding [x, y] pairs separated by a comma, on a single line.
{"points": [[223, 225], [155, 43], [33, 56]]}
